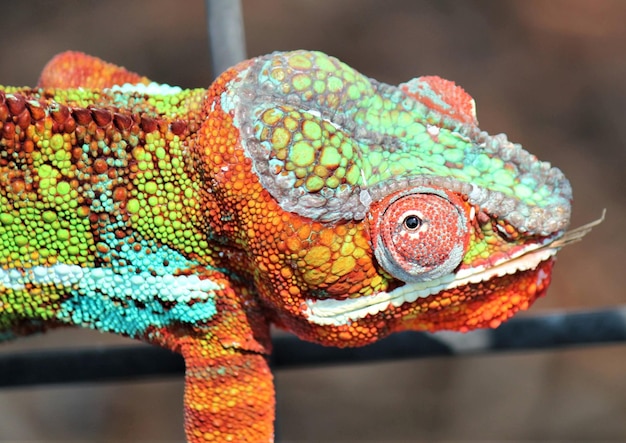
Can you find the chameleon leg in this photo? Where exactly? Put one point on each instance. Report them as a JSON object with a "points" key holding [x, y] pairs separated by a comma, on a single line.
{"points": [[229, 395]]}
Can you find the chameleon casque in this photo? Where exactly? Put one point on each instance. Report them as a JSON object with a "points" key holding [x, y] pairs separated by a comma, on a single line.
{"points": [[294, 191]]}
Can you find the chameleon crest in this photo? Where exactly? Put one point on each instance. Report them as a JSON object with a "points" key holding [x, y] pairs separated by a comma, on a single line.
{"points": [[294, 191]]}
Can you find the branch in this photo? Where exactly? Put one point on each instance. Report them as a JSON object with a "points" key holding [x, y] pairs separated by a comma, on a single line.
{"points": [[551, 331]]}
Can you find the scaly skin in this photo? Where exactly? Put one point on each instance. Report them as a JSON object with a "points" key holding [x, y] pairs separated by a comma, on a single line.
{"points": [[293, 191]]}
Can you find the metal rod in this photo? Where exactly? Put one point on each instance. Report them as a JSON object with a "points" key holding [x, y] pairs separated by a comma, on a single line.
{"points": [[226, 34], [552, 331]]}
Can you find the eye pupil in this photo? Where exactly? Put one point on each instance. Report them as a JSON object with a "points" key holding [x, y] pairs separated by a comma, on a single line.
{"points": [[412, 222]]}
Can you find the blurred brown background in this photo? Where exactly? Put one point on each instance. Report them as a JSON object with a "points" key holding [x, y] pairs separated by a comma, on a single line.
{"points": [[550, 73]]}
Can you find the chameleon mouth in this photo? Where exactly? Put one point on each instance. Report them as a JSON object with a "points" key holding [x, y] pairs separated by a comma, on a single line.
{"points": [[342, 312]]}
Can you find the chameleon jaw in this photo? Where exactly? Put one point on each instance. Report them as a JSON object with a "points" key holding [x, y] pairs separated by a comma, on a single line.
{"points": [[332, 312]]}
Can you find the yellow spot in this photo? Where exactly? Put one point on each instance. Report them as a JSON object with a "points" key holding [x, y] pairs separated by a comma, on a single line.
{"points": [[278, 74], [300, 61], [291, 123], [358, 253], [302, 154], [314, 277], [138, 153], [311, 130], [330, 157], [63, 188], [301, 82], [280, 138], [317, 256], [343, 266], [271, 117], [56, 142], [133, 206], [314, 184], [46, 170], [150, 187]]}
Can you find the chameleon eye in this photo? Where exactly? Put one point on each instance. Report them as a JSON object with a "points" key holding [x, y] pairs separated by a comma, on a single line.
{"points": [[420, 236], [412, 222]]}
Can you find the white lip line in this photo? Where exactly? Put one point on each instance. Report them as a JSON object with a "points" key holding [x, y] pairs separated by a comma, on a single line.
{"points": [[340, 312]]}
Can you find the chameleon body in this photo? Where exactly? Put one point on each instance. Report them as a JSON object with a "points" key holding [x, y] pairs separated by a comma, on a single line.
{"points": [[294, 191]]}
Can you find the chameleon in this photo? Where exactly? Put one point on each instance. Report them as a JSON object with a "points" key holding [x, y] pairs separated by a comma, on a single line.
{"points": [[293, 192]]}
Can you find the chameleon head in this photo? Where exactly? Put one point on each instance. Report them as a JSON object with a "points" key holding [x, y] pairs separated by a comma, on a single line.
{"points": [[386, 206]]}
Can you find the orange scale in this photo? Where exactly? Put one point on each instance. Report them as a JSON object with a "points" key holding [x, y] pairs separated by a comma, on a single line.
{"points": [[434, 305], [345, 335], [355, 288], [326, 237], [304, 232]]}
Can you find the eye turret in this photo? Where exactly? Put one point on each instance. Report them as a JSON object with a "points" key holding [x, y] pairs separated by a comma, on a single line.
{"points": [[420, 234]]}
